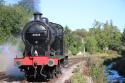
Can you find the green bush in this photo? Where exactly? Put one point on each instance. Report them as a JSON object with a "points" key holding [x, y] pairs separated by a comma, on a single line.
{"points": [[12, 19], [77, 78], [96, 69], [91, 44]]}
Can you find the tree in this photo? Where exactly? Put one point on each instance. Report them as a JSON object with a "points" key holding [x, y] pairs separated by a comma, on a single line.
{"points": [[112, 36], [91, 44], [123, 37], [73, 40], [67, 34], [107, 36], [80, 35], [12, 18]]}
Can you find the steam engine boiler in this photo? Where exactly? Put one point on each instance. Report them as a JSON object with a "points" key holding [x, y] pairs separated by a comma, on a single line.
{"points": [[43, 56]]}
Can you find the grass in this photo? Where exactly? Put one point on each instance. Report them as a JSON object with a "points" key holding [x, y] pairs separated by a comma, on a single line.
{"points": [[77, 76], [95, 64], [96, 69]]}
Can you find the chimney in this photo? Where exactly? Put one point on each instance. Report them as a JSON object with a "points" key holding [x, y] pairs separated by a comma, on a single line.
{"points": [[37, 16]]}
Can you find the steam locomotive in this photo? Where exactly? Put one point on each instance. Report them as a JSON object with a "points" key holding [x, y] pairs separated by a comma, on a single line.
{"points": [[43, 56]]}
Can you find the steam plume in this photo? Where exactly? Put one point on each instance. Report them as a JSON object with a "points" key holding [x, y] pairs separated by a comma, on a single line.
{"points": [[7, 55], [37, 6]]}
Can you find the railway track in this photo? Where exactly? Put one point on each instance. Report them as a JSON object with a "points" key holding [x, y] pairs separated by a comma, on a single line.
{"points": [[5, 78], [73, 61]]}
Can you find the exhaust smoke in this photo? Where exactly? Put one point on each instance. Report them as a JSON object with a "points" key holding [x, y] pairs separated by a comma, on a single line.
{"points": [[37, 6], [7, 54]]}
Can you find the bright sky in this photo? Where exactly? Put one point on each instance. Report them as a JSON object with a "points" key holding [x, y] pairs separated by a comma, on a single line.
{"points": [[82, 13]]}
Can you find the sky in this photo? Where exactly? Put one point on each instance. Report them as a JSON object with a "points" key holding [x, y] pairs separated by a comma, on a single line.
{"points": [[77, 14]]}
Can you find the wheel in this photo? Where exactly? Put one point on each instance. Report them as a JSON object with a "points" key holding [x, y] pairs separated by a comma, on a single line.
{"points": [[50, 74], [30, 78], [58, 69], [66, 60], [55, 74]]}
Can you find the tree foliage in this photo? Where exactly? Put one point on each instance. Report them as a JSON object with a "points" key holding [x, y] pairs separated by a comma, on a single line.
{"points": [[91, 44], [123, 37], [74, 40], [107, 35], [12, 19], [99, 38]]}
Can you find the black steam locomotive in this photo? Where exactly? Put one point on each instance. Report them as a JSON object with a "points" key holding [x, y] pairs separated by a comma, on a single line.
{"points": [[44, 49]]}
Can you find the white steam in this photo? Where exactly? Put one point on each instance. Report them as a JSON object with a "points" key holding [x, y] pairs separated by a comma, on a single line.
{"points": [[37, 6], [7, 55]]}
